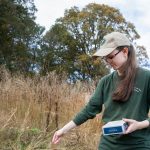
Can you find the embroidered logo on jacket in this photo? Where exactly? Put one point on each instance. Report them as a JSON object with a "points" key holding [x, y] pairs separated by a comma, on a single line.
{"points": [[137, 89]]}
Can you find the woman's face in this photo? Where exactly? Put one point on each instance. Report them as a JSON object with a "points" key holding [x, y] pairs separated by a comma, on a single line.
{"points": [[117, 58]]}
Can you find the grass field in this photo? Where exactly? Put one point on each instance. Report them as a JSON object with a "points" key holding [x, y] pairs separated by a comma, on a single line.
{"points": [[31, 110]]}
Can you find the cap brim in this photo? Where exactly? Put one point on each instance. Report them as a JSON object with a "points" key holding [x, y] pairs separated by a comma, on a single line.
{"points": [[103, 52]]}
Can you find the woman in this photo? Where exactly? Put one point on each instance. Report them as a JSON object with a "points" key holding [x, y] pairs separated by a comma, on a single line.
{"points": [[125, 94]]}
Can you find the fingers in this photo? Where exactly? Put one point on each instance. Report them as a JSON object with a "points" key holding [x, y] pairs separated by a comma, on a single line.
{"points": [[57, 136], [55, 139], [132, 125], [129, 130], [128, 120]]}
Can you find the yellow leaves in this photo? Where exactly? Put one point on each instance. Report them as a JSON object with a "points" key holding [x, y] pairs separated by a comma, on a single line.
{"points": [[83, 14], [83, 58], [86, 58], [96, 62], [86, 27]]}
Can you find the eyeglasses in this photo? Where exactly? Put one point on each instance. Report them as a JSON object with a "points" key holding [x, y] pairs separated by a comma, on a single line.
{"points": [[106, 58]]}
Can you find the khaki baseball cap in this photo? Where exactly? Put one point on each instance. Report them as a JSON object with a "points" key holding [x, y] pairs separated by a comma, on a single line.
{"points": [[111, 42]]}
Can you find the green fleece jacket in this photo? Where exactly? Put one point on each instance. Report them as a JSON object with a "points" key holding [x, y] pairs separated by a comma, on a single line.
{"points": [[136, 107]]}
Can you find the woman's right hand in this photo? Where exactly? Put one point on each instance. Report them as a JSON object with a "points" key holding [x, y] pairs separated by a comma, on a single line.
{"points": [[57, 136]]}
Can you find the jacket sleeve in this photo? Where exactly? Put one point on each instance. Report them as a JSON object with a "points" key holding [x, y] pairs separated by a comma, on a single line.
{"points": [[93, 107]]}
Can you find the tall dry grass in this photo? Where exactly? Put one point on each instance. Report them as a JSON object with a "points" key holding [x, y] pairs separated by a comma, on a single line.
{"points": [[32, 109]]}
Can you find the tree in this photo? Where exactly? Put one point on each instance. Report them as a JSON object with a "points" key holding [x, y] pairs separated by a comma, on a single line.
{"points": [[76, 36], [18, 35]]}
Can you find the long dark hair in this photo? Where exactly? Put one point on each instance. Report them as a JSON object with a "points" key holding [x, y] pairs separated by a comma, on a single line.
{"points": [[128, 72]]}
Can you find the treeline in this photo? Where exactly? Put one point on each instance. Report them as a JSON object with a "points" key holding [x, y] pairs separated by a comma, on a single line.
{"points": [[68, 45]]}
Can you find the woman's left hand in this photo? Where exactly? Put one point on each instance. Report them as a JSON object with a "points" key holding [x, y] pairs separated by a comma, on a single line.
{"points": [[132, 125]]}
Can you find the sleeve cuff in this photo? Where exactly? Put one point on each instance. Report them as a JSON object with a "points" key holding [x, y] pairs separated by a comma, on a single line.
{"points": [[77, 122]]}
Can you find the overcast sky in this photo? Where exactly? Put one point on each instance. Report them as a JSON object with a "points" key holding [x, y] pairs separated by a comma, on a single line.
{"points": [[134, 11]]}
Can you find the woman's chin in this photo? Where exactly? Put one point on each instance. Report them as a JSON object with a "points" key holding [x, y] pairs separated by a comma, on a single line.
{"points": [[114, 67]]}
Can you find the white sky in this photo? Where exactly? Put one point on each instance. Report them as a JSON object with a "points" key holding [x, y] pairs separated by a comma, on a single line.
{"points": [[134, 11]]}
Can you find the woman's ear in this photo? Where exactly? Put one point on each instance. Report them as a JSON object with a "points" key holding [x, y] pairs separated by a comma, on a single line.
{"points": [[125, 51]]}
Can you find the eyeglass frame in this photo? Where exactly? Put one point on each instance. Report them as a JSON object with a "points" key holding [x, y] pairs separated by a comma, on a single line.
{"points": [[111, 57]]}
